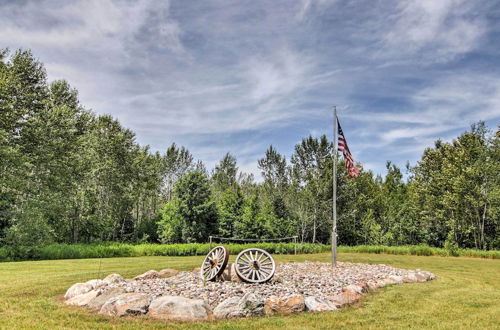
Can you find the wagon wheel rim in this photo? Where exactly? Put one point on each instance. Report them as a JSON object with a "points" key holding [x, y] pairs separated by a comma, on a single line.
{"points": [[255, 265], [214, 263]]}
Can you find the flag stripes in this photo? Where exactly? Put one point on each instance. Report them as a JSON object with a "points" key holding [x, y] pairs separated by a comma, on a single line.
{"points": [[352, 169]]}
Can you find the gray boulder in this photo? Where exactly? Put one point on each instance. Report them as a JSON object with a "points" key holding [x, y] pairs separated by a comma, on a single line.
{"points": [[77, 289], [316, 304], [397, 279], [126, 304], [97, 302], [354, 288], [82, 299], [179, 309], [427, 275], [248, 305], [411, 277], [114, 278]]}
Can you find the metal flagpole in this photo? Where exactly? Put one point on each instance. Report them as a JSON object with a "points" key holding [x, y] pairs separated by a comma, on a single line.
{"points": [[334, 196]]}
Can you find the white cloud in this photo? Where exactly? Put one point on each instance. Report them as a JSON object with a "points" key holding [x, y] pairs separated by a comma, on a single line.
{"points": [[444, 28]]}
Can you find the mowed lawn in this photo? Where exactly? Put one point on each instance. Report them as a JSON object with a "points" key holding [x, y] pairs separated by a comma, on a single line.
{"points": [[466, 294]]}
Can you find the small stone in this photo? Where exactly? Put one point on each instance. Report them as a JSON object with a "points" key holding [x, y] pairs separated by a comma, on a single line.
{"points": [[114, 278], [165, 273], [77, 289], [82, 299], [179, 309], [315, 304], [150, 274], [126, 304]]}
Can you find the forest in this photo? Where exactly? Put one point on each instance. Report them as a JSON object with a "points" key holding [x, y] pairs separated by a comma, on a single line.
{"points": [[69, 175]]}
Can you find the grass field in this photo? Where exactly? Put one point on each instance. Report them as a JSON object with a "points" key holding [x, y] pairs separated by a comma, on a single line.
{"points": [[466, 295]]}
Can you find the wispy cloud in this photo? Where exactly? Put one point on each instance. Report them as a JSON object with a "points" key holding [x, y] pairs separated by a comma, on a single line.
{"points": [[448, 27], [235, 77]]}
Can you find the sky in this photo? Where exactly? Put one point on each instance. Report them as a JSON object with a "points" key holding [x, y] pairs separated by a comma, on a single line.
{"points": [[237, 76]]}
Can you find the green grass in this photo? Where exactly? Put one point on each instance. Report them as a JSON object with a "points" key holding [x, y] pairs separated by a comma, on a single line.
{"points": [[110, 250], [421, 250], [465, 295]]}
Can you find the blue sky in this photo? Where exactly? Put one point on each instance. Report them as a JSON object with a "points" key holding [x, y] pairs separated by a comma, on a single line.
{"points": [[236, 76]]}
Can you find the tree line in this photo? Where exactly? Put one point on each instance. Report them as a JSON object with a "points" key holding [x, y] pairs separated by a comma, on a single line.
{"points": [[69, 175]]}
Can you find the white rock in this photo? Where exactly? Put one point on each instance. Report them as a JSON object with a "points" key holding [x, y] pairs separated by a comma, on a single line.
{"points": [[428, 275], [179, 309], [114, 278], [102, 298], [397, 279], [82, 299], [96, 284], [315, 304], [77, 289], [410, 278]]}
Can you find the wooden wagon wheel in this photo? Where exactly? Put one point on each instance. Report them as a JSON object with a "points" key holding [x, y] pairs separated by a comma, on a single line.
{"points": [[214, 264], [255, 266]]}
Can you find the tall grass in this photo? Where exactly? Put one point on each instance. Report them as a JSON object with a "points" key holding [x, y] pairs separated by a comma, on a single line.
{"points": [[420, 250], [109, 250]]}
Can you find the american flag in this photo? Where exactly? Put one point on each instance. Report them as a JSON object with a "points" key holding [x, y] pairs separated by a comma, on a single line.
{"points": [[352, 169]]}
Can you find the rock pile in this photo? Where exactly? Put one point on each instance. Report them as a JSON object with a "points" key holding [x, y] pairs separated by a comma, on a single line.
{"points": [[296, 287]]}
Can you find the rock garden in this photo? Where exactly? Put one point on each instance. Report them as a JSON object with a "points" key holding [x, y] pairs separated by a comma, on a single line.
{"points": [[291, 288]]}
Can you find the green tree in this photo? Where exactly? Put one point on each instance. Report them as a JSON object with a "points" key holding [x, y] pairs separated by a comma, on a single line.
{"points": [[225, 173], [456, 190], [192, 208], [311, 171], [230, 208]]}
